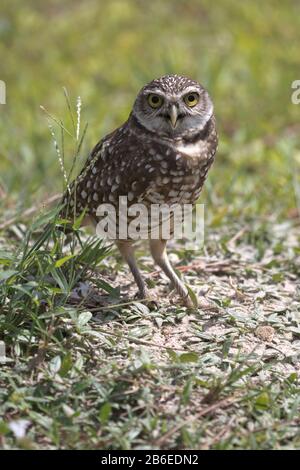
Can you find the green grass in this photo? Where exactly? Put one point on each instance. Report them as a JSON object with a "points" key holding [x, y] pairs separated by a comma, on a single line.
{"points": [[94, 368]]}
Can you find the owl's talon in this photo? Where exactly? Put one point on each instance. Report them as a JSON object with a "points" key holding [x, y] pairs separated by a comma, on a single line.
{"points": [[189, 303], [169, 288], [148, 299], [152, 303], [202, 303]]}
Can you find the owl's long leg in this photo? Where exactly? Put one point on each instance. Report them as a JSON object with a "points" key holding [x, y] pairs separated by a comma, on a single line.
{"points": [[127, 251], [159, 253]]}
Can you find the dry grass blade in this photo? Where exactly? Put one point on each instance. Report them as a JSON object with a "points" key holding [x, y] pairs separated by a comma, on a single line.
{"points": [[29, 212]]}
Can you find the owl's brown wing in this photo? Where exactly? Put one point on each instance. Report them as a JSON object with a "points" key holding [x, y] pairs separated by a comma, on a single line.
{"points": [[74, 197], [117, 166]]}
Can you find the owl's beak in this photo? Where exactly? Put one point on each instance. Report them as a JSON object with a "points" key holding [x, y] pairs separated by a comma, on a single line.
{"points": [[173, 115]]}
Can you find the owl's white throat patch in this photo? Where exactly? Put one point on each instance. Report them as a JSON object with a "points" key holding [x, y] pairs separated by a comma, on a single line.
{"points": [[194, 150]]}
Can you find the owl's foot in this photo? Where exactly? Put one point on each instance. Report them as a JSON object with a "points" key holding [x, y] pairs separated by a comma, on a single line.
{"points": [[149, 299], [184, 301], [171, 286], [197, 302], [188, 302]]}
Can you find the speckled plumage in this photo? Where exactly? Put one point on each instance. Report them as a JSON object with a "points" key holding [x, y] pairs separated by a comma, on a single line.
{"points": [[146, 159]]}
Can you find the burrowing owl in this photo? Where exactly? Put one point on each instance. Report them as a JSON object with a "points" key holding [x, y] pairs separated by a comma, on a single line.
{"points": [[160, 155]]}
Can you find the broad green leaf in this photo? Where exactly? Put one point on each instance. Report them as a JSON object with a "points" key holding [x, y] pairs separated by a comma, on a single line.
{"points": [[84, 318], [105, 412], [66, 365], [192, 296], [188, 357], [63, 260], [262, 402], [55, 364]]}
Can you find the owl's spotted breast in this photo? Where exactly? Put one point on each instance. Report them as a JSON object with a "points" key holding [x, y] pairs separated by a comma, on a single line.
{"points": [[182, 171]]}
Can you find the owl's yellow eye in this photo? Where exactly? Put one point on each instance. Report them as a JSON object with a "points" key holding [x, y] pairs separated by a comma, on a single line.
{"points": [[155, 101], [191, 99]]}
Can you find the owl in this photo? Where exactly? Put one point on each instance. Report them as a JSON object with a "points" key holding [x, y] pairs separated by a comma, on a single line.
{"points": [[160, 155]]}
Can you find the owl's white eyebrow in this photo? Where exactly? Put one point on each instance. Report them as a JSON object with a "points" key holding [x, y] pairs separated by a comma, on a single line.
{"points": [[189, 89], [156, 91]]}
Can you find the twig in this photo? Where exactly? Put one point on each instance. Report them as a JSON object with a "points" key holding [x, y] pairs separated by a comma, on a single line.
{"points": [[139, 341], [236, 237], [213, 266], [205, 411], [2, 192], [274, 426], [29, 211], [223, 432]]}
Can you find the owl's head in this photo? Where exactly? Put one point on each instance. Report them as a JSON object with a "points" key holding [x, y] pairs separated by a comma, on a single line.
{"points": [[173, 106]]}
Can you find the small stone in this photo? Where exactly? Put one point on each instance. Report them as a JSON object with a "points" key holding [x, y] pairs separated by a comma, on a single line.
{"points": [[266, 333]]}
